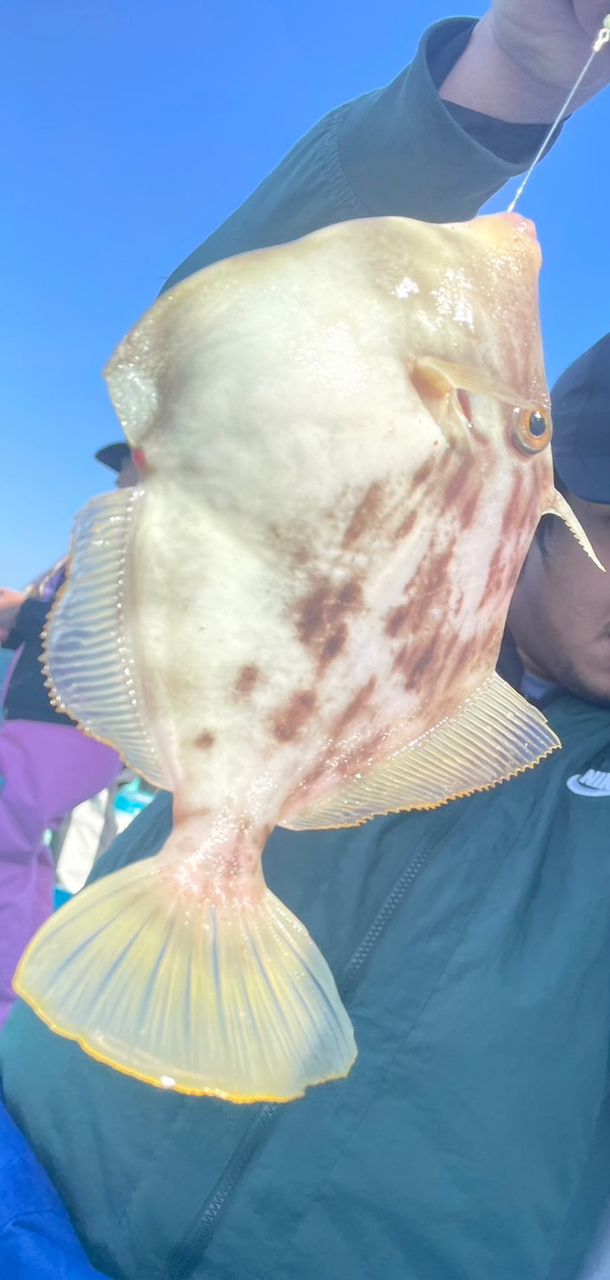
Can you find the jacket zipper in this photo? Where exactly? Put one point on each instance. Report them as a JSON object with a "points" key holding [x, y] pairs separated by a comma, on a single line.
{"points": [[189, 1252]]}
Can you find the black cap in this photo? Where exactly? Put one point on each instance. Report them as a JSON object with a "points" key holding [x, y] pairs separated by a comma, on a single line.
{"points": [[581, 424], [114, 455]]}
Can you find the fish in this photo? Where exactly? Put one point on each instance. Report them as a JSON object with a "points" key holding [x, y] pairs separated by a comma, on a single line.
{"points": [[294, 619]]}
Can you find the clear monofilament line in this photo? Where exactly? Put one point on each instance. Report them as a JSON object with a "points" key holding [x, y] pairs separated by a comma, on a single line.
{"points": [[602, 38]]}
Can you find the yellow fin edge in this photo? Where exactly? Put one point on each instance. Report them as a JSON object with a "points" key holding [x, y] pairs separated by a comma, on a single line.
{"points": [[493, 737], [189, 995]]}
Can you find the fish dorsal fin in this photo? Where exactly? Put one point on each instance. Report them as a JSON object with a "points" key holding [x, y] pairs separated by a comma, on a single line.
{"points": [[441, 374], [86, 658], [494, 735]]}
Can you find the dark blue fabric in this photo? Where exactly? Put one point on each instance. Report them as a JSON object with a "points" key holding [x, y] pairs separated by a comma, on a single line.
{"points": [[27, 696], [37, 1241]]}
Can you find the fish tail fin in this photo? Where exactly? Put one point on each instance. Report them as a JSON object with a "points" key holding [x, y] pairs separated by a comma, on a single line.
{"points": [[188, 993]]}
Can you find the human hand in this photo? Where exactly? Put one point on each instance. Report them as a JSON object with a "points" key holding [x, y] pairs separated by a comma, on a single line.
{"points": [[524, 56], [10, 604]]}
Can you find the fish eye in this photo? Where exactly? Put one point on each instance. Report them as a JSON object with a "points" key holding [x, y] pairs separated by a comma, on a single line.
{"points": [[533, 429]]}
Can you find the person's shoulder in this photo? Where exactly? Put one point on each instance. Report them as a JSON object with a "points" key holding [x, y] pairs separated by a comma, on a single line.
{"points": [[583, 764], [579, 718]]}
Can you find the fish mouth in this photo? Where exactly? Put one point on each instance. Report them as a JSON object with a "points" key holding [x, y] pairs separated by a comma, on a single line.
{"points": [[503, 227], [524, 226], [509, 238]]}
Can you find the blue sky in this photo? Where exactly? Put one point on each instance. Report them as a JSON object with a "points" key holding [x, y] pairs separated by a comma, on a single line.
{"points": [[133, 129]]}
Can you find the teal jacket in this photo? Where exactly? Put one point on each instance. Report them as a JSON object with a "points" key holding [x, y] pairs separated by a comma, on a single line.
{"points": [[471, 946]]}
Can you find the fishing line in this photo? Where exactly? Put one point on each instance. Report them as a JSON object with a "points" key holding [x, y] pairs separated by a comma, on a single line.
{"points": [[602, 38]]}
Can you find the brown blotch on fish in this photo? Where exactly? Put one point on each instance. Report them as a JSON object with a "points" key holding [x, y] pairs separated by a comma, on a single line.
{"points": [[422, 473], [422, 665], [298, 553], [496, 572], [468, 508], [352, 712], [348, 596], [402, 658], [422, 590], [364, 515], [302, 555], [454, 488], [357, 704], [313, 614], [434, 574], [291, 719], [513, 516], [334, 644], [205, 740], [247, 680], [324, 609], [396, 619], [416, 660], [457, 660], [406, 526]]}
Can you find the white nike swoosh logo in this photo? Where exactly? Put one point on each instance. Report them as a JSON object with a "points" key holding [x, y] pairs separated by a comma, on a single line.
{"points": [[592, 783]]}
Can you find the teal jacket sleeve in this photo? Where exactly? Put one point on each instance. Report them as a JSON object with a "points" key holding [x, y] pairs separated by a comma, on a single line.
{"points": [[399, 150]]}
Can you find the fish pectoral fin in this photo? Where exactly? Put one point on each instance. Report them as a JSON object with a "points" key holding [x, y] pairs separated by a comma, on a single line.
{"points": [[189, 994], [494, 735], [441, 376], [85, 655]]}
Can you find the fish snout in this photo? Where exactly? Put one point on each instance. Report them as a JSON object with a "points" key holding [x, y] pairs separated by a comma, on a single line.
{"points": [[524, 226], [509, 230]]}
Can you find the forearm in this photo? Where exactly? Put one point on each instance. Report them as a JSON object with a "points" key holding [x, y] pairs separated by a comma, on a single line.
{"points": [[525, 56], [396, 151], [484, 79]]}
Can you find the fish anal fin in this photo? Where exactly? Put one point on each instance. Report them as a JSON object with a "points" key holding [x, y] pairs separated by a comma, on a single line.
{"points": [[190, 993], [495, 735]]}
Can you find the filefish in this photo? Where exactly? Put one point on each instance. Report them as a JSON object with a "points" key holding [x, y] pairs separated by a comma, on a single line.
{"points": [[294, 619]]}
